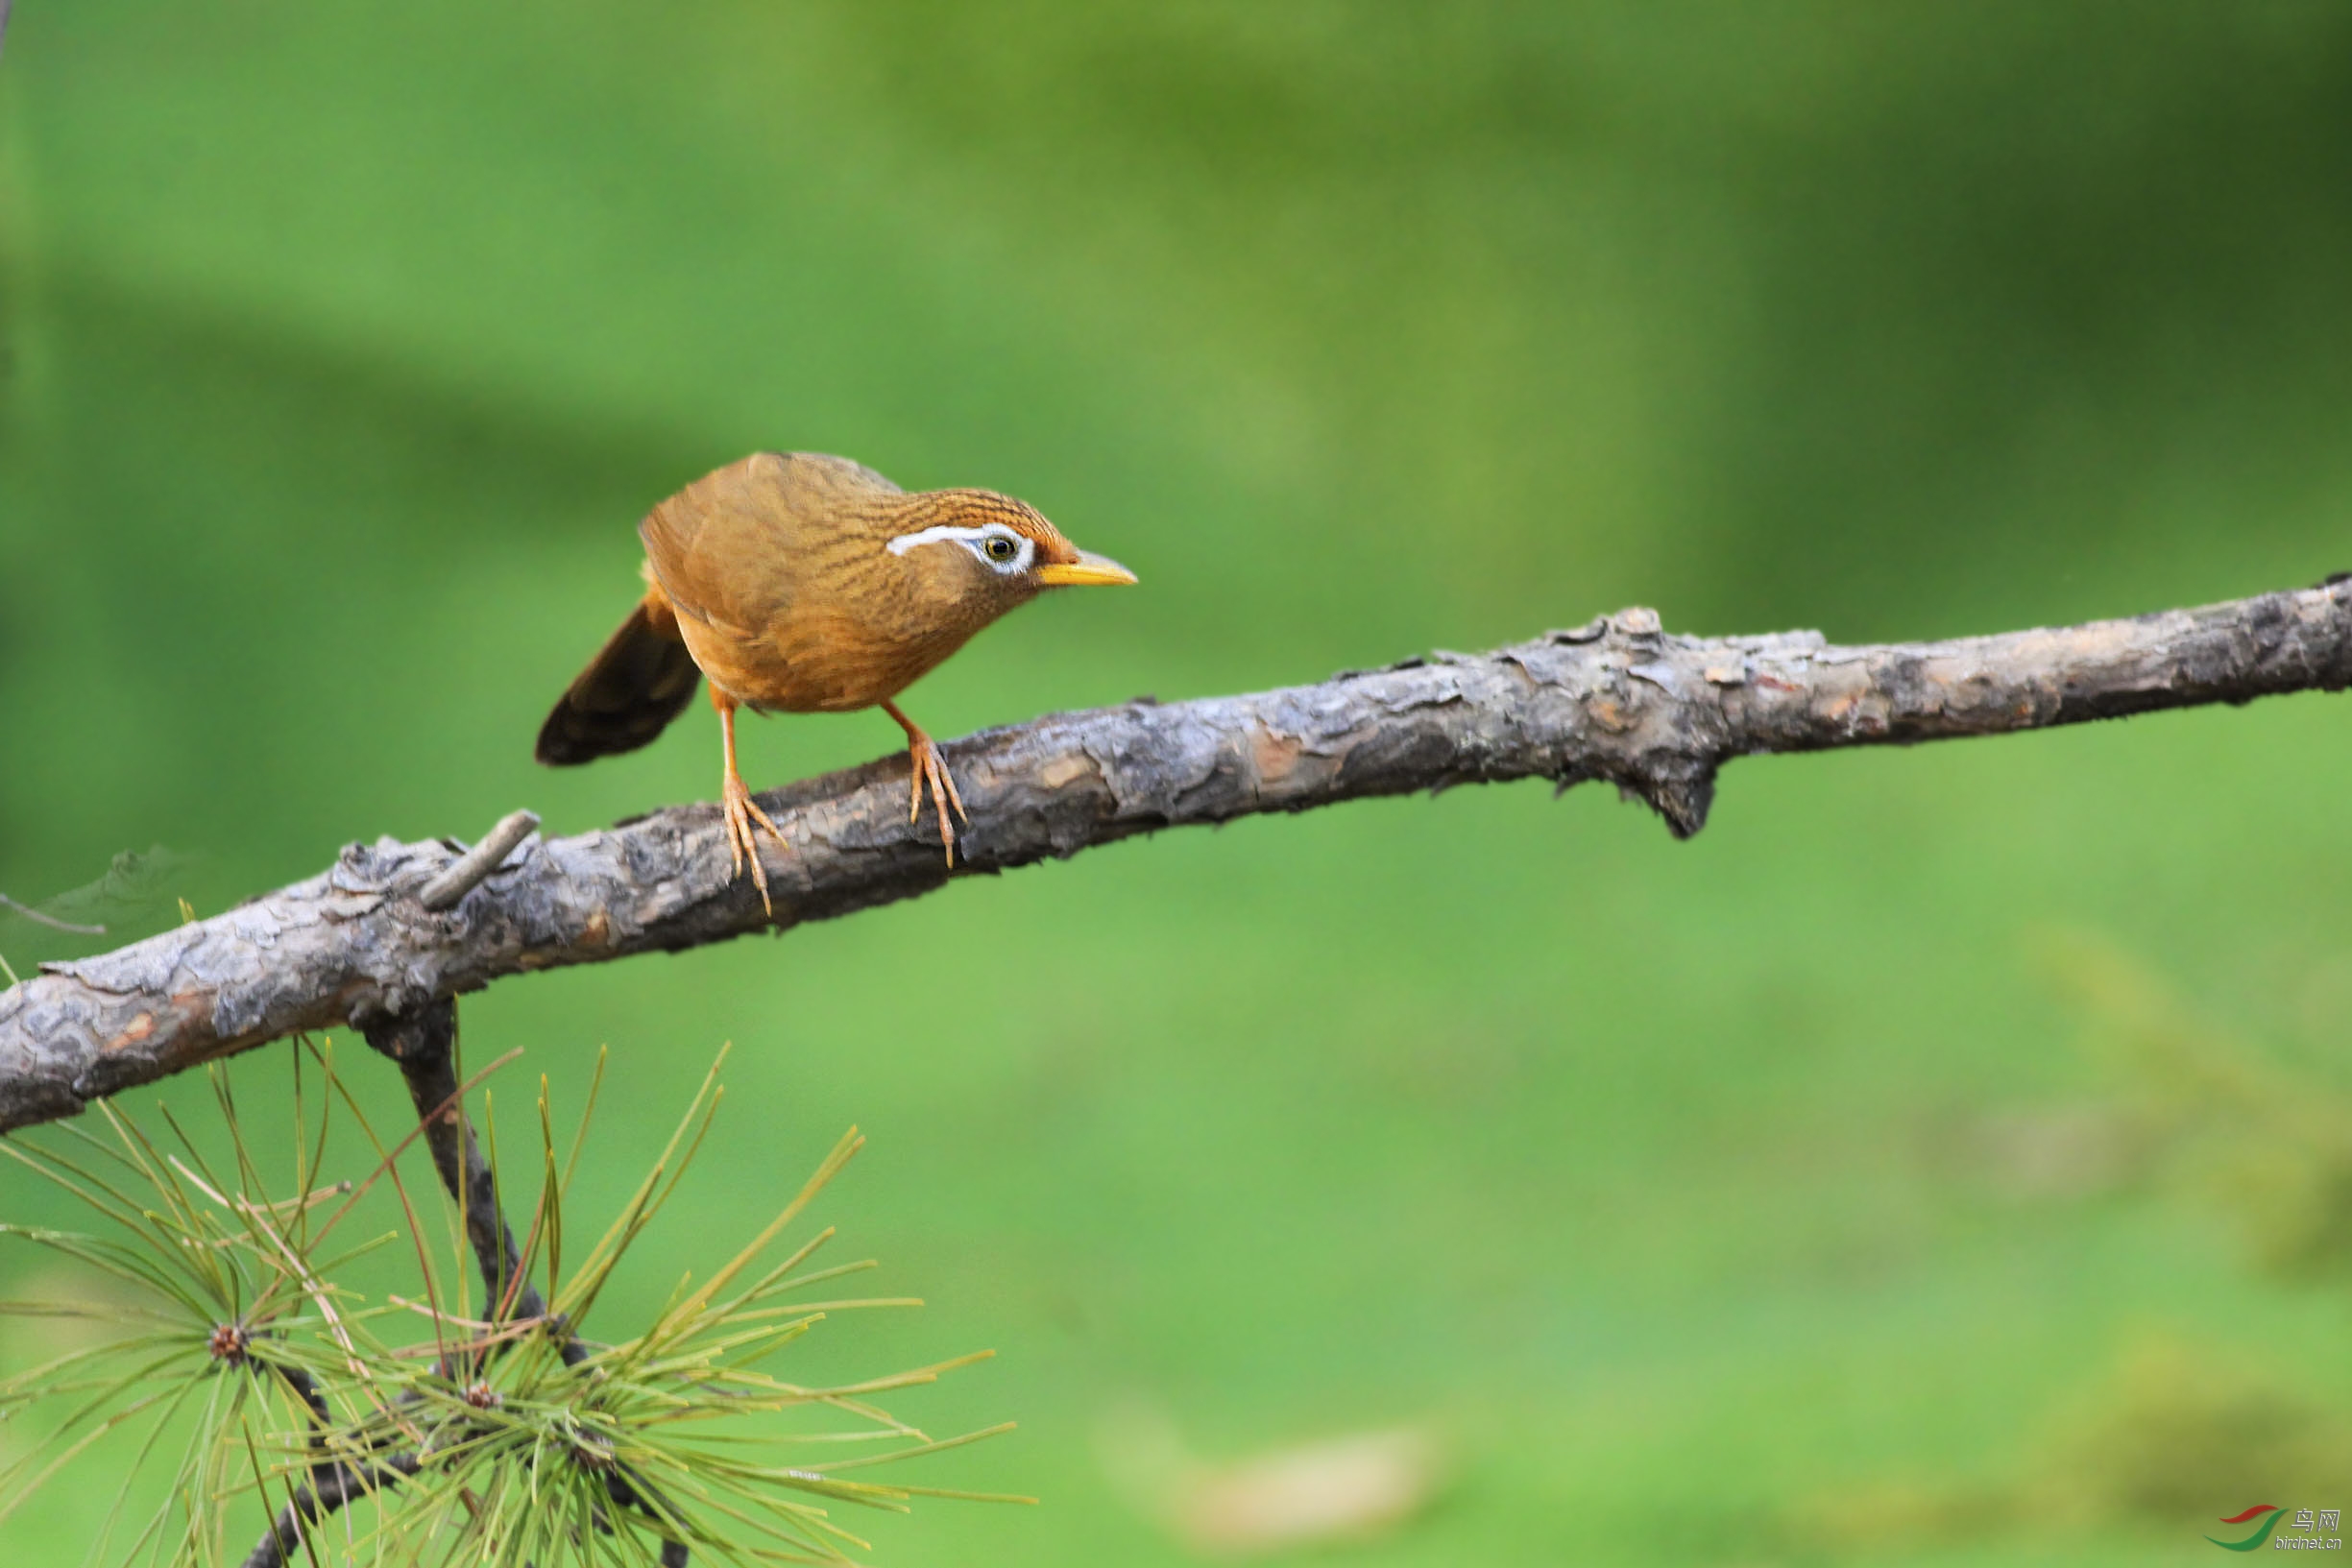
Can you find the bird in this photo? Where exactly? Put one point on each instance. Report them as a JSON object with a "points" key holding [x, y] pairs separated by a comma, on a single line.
{"points": [[803, 583]]}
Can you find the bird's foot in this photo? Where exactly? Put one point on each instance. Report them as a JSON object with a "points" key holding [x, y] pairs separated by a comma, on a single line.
{"points": [[741, 811], [924, 761]]}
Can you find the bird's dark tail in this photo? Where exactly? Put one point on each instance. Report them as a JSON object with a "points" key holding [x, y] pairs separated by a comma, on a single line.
{"points": [[638, 681]]}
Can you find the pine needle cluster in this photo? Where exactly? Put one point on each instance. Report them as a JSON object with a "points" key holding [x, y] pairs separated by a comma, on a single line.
{"points": [[258, 1395]]}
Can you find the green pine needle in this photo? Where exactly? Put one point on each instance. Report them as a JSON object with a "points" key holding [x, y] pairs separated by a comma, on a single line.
{"points": [[231, 1335]]}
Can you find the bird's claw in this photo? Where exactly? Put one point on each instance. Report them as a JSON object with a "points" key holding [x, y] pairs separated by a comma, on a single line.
{"points": [[741, 811], [926, 765]]}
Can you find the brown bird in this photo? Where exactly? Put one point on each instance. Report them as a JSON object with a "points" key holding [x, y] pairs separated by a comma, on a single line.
{"points": [[805, 583]]}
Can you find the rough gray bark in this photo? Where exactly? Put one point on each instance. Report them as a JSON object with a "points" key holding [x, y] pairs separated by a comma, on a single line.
{"points": [[1615, 700]]}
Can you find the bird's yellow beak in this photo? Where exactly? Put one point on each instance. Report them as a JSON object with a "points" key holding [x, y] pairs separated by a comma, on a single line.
{"points": [[1088, 570]]}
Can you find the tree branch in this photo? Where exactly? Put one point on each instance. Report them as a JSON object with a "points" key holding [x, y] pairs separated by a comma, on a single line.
{"points": [[424, 1045], [332, 1487], [1614, 700]]}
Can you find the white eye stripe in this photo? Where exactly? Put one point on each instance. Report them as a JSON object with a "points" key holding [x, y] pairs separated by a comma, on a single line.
{"points": [[976, 541]]}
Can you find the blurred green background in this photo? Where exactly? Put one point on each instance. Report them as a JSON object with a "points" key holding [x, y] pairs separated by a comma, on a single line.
{"points": [[1937, 1161]]}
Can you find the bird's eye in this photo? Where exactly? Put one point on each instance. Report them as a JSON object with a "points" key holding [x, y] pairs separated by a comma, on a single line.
{"points": [[1001, 548]]}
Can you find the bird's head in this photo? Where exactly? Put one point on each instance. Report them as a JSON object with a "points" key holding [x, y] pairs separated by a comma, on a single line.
{"points": [[988, 552]]}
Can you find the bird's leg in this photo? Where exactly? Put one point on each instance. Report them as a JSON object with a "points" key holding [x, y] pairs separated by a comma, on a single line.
{"points": [[741, 810], [926, 765]]}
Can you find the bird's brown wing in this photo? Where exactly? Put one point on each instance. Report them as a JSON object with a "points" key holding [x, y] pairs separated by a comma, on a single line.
{"points": [[735, 549]]}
